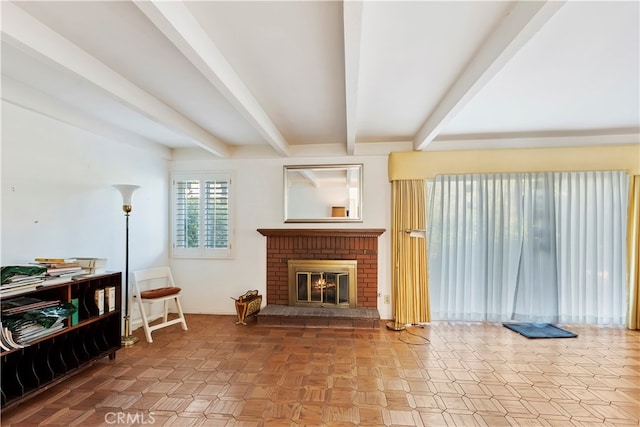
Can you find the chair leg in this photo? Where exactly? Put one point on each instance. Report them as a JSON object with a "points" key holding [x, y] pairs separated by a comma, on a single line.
{"points": [[145, 321], [165, 313], [181, 314]]}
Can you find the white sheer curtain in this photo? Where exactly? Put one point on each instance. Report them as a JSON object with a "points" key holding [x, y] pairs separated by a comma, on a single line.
{"points": [[536, 295], [540, 247], [592, 219]]}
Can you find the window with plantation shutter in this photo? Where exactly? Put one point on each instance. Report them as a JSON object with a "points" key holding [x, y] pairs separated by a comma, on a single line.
{"points": [[201, 215]]}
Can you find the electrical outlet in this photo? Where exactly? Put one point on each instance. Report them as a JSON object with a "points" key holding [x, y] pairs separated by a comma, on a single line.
{"points": [[387, 299]]}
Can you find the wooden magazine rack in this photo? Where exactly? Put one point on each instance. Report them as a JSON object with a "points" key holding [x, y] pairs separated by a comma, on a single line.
{"points": [[248, 305]]}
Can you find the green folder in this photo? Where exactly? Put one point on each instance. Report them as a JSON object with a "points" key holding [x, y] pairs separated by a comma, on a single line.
{"points": [[74, 316]]}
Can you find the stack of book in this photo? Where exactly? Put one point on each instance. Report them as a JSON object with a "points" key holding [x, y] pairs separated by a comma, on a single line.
{"points": [[17, 278], [20, 281], [92, 265], [27, 333], [60, 267], [6, 339], [26, 319]]}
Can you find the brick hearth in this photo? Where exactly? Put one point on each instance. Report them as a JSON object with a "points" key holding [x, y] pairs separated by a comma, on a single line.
{"points": [[322, 244], [352, 318]]}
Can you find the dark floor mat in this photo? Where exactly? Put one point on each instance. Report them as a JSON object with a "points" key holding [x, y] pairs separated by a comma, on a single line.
{"points": [[539, 330]]}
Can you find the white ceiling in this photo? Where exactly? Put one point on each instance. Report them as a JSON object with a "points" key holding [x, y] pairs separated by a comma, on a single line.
{"points": [[291, 78]]}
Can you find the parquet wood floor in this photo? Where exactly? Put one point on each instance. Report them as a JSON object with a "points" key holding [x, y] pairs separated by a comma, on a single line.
{"points": [[445, 374]]}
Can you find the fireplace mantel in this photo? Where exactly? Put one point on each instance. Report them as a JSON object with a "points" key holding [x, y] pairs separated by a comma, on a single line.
{"points": [[322, 232]]}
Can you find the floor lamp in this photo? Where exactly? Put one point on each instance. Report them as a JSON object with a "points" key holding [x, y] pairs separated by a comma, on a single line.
{"points": [[412, 233], [127, 192]]}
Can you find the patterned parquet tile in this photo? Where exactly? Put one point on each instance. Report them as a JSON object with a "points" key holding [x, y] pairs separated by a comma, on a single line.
{"points": [[443, 374]]}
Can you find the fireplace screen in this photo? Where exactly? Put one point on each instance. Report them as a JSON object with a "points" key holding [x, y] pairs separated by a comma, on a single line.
{"points": [[322, 283], [330, 288]]}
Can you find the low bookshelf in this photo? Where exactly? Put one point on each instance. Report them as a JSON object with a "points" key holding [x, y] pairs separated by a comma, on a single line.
{"points": [[90, 334]]}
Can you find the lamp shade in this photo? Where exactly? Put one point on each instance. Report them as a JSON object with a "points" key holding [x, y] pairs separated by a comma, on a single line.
{"points": [[126, 191], [417, 233]]}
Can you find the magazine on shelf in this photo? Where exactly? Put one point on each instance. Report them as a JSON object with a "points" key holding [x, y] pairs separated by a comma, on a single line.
{"points": [[75, 317], [7, 337], [23, 304], [4, 343], [26, 319], [53, 260], [99, 296], [31, 331], [65, 271], [19, 279], [15, 275], [22, 284], [110, 298]]}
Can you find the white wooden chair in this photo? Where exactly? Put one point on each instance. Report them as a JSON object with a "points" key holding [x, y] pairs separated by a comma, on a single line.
{"points": [[157, 285]]}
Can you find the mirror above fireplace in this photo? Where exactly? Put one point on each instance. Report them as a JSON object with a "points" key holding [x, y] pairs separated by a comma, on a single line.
{"points": [[323, 193]]}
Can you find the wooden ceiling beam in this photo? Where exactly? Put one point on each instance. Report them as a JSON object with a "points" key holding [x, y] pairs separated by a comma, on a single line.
{"points": [[29, 35], [521, 22], [182, 29], [352, 45]]}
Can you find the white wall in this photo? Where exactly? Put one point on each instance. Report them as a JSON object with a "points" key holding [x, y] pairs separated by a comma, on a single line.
{"points": [[57, 199], [258, 190]]}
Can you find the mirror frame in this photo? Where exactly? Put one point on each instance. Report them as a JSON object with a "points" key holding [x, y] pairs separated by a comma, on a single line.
{"points": [[311, 168]]}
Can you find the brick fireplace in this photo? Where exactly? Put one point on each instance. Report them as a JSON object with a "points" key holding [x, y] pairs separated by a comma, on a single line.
{"points": [[287, 244]]}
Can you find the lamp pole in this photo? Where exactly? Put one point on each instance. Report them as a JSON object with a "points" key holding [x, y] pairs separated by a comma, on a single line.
{"points": [[127, 192]]}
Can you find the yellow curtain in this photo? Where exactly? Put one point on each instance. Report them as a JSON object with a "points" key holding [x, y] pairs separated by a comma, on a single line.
{"points": [[633, 254], [410, 286]]}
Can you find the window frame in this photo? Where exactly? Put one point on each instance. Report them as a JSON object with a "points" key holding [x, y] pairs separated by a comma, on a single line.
{"points": [[201, 252]]}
